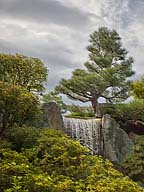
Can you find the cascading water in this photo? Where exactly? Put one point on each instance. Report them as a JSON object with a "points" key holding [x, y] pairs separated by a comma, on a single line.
{"points": [[86, 131]]}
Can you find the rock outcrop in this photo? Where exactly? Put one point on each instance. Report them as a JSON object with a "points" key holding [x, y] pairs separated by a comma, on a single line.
{"points": [[52, 116], [116, 143]]}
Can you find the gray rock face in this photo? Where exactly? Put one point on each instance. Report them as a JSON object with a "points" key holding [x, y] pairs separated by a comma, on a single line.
{"points": [[101, 136], [52, 116], [116, 143]]}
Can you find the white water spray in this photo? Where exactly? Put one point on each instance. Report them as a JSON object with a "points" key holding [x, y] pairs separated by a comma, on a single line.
{"points": [[86, 131]]}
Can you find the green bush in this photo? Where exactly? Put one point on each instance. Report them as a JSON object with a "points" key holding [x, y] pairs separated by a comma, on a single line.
{"points": [[22, 137], [12, 165], [80, 111], [17, 106], [5, 144], [133, 165], [126, 111], [72, 169]]}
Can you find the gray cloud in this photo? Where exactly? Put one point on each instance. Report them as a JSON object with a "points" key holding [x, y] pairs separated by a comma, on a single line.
{"points": [[43, 11], [57, 31]]}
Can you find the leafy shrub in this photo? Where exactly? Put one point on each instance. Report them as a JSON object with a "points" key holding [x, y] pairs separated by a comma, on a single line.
{"points": [[138, 88], [80, 111], [5, 144], [22, 137], [72, 169], [126, 111], [17, 106], [58, 164], [12, 164], [133, 165]]}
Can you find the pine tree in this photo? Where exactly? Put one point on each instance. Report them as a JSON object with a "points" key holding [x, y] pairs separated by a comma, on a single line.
{"points": [[106, 74]]}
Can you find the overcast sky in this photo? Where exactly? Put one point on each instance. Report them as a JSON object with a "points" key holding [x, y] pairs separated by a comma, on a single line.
{"points": [[57, 31]]}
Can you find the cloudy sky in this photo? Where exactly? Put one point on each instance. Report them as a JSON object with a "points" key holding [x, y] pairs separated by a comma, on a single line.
{"points": [[57, 31]]}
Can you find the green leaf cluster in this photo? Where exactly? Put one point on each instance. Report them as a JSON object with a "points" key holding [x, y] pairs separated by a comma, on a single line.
{"points": [[133, 165], [27, 72], [54, 97], [20, 78], [17, 106], [133, 110], [22, 137], [138, 88], [80, 111]]}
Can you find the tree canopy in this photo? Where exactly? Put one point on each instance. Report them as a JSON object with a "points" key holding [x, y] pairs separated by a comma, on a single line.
{"points": [[106, 71], [138, 88], [54, 97], [28, 72], [17, 105], [20, 77]]}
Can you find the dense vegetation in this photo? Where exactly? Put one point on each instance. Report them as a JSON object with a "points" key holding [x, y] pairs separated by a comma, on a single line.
{"points": [[20, 77], [138, 88], [80, 111], [27, 72], [17, 106], [133, 110], [55, 163], [133, 165]]}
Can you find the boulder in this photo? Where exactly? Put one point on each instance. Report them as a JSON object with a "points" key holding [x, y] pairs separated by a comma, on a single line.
{"points": [[52, 116], [116, 143]]}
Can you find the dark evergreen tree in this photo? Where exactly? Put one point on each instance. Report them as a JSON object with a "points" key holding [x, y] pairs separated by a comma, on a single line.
{"points": [[106, 74]]}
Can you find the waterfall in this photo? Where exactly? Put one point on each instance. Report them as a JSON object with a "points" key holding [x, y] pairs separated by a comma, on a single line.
{"points": [[101, 136], [86, 131]]}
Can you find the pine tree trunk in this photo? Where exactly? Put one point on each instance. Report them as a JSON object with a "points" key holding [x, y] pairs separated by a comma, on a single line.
{"points": [[95, 106], [97, 112]]}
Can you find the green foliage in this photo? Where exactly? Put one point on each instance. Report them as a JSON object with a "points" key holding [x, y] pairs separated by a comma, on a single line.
{"points": [[22, 137], [53, 97], [55, 148], [138, 88], [58, 163], [133, 165], [27, 72], [106, 71], [5, 144], [133, 110], [12, 166], [17, 105], [80, 111], [116, 184]]}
